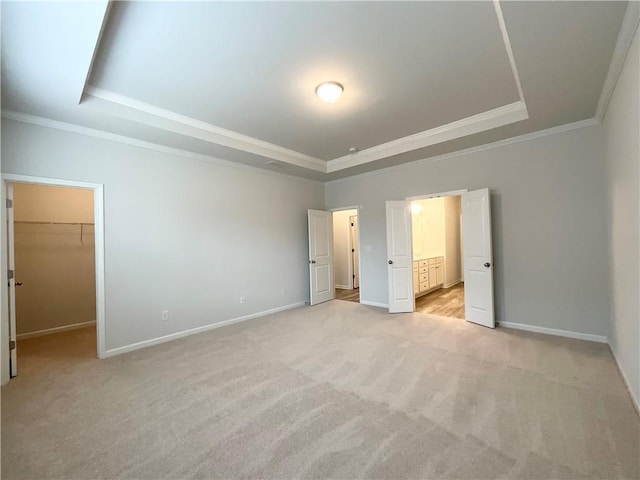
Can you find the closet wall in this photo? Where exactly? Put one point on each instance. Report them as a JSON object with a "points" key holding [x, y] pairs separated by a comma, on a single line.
{"points": [[55, 260]]}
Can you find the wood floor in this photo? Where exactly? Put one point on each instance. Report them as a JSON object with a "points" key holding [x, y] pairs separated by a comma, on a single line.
{"points": [[348, 295], [446, 302]]}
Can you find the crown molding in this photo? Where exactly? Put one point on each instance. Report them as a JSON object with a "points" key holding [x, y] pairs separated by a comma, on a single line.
{"points": [[134, 142], [497, 117], [507, 46], [96, 46], [567, 127], [126, 107], [625, 37]]}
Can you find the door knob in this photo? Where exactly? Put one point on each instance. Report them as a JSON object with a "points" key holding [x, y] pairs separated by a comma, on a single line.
{"points": [[487, 264], [18, 284], [390, 262]]}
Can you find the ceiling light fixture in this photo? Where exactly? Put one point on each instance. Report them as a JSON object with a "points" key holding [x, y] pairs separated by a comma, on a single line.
{"points": [[329, 92]]}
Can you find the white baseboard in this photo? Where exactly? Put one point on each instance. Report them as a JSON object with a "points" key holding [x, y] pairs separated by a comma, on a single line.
{"points": [[374, 304], [455, 282], [185, 333], [49, 331], [343, 287], [634, 400], [553, 331]]}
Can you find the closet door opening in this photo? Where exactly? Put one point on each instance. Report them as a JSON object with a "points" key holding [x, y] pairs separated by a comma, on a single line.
{"points": [[346, 255], [55, 274]]}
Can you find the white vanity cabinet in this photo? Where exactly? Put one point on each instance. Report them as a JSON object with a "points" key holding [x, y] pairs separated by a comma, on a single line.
{"points": [[428, 275]]}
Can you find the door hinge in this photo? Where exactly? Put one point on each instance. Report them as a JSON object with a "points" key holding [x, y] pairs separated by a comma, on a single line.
{"points": [[12, 344], [9, 203], [10, 274]]}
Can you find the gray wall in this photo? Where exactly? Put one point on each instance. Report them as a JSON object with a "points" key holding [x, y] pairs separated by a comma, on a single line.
{"points": [[182, 235], [549, 227], [621, 127]]}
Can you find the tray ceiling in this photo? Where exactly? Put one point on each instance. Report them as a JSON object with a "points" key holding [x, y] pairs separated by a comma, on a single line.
{"points": [[235, 80]]}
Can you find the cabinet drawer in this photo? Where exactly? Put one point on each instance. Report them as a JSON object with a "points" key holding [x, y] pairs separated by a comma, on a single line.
{"points": [[424, 286], [424, 277], [424, 270], [422, 263]]}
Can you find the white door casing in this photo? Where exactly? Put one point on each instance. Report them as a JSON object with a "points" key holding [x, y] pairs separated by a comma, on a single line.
{"points": [[11, 266], [478, 258], [399, 257], [321, 280], [355, 250]]}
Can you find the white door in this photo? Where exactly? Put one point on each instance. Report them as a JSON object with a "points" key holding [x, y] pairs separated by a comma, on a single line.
{"points": [[399, 257], [355, 251], [321, 256], [11, 266], [478, 258]]}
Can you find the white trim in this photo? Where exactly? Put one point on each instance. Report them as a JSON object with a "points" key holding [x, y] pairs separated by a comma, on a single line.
{"points": [[49, 331], [634, 400], [374, 304], [147, 114], [554, 331], [567, 127], [96, 47], [625, 37], [507, 46], [342, 209], [488, 120], [451, 284], [99, 249], [112, 137], [452, 193], [192, 331], [343, 287]]}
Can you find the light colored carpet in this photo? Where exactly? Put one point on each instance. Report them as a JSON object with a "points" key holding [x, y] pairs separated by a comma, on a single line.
{"points": [[339, 390]]}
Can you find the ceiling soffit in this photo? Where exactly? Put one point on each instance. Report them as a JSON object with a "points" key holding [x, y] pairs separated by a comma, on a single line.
{"points": [[103, 100]]}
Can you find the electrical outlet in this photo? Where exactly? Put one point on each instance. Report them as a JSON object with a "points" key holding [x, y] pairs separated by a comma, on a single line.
{"points": [[283, 292], [242, 300], [165, 315]]}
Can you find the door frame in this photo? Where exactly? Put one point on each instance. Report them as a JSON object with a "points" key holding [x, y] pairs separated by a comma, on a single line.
{"points": [[451, 193], [358, 208], [99, 250]]}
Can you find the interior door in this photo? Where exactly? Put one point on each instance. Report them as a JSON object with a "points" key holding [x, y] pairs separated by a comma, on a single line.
{"points": [[478, 258], [11, 267], [399, 257], [355, 250], [320, 256]]}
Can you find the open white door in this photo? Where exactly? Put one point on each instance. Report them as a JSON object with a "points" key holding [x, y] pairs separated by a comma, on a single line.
{"points": [[321, 256], [355, 250], [11, 267], [400, 258], [478, 258]]}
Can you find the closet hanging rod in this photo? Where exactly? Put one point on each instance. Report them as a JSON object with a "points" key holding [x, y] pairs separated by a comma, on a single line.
{"points": [[52, 223]]}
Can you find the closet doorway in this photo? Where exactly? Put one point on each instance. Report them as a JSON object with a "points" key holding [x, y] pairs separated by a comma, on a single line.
{"points": [[55, 248], [438, 273], [346, 255]]}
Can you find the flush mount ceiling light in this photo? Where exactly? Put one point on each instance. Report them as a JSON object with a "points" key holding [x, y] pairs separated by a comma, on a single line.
{"points": [[329, 92]]}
